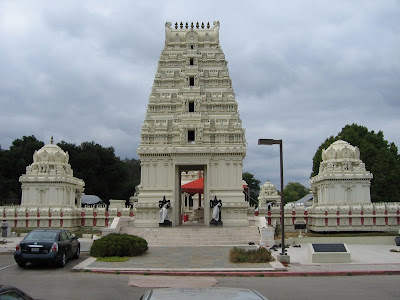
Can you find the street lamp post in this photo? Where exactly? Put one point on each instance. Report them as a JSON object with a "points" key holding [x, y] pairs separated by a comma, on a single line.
{"points": [[274, 142]]}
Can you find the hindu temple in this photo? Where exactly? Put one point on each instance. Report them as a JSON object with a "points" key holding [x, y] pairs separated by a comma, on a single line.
{"points": [[192, 124]]}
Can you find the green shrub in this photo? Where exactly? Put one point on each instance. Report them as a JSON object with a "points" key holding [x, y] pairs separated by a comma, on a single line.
{"points": [[118, 245], [240, 255]]}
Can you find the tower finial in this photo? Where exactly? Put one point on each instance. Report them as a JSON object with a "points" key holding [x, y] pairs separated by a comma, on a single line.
{"points": [[51, 140]]}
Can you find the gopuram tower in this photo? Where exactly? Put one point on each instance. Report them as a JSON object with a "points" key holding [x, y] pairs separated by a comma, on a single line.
{"points": [[192, 124]]}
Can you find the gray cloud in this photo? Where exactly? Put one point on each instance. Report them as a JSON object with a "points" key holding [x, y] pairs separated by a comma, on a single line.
{"points": [[301, 71]]}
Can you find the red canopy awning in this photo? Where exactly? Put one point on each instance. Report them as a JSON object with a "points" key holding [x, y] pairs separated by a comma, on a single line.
{"points": [[194, 187]]}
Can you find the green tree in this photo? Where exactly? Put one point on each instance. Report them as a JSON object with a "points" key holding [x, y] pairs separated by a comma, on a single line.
{"points": [[254, 186], [132, 178], [294, 191], [381, 158], [13, 163], [105, 174]]}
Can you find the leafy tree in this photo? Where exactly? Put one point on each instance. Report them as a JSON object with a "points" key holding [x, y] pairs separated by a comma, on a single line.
{"points": [[294, 191], [105, 174], [381, 158], [13, 163], [132, 179], [254, 186]]}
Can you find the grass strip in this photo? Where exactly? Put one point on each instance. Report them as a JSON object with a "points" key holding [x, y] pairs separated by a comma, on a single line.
{"points": [[113, 258]]}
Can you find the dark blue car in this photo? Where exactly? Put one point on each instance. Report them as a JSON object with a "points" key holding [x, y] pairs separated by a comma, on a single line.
{"points": [[53, 246]]}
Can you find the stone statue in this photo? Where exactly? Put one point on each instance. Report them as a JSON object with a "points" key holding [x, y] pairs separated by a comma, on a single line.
{"points": [[216, 215], [164, 204]]}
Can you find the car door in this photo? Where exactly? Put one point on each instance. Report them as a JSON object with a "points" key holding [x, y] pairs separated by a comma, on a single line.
{"points": [[64, 244], [73, 243]]}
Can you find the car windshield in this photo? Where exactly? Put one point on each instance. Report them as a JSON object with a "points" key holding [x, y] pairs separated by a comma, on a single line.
{"points": [[41, 236], [212, 293]]}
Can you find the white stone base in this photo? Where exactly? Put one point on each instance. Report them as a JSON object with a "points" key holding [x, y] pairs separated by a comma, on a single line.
{"points": [[329, 257], [285, 259]]}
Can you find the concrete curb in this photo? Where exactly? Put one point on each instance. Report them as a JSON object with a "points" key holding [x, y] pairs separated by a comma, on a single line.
{"points": [[241, 274], [280, 271]]}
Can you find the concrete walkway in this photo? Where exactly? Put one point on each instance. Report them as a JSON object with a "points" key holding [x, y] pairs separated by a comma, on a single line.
{"points": [[180, 259], [365, 259], [214, 261]]}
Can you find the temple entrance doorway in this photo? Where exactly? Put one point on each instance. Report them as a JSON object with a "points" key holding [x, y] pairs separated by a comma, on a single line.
{"points": [[192, 191]]}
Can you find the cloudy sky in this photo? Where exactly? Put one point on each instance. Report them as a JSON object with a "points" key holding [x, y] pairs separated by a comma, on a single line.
{"points": [[301, 70]]}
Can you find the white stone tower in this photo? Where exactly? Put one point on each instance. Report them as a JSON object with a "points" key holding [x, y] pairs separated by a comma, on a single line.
{"points": [[342, 177], [49, 180], [192, 124]]}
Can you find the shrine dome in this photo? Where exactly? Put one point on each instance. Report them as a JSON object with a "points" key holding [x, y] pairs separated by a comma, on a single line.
{"points": [[51, 154], [341, 150], [341, 158], [268, 188], [50, 159]]}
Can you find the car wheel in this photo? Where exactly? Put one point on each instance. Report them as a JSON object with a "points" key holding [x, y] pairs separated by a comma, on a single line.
{"points": [[21, 264], [78, 252], [63, 260]]}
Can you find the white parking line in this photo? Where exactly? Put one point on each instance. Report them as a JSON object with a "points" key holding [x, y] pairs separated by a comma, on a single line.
{"points": [[7, 266]]}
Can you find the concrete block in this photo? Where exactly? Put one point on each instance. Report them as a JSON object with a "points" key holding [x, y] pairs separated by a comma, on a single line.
{"points": [[329, 257], [284, 259]]}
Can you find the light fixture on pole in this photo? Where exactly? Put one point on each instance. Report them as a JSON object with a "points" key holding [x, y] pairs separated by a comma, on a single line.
{"points": [[279, 142]]}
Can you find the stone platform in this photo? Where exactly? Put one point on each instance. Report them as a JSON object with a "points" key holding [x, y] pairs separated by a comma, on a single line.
{"points": [[196, 235]]}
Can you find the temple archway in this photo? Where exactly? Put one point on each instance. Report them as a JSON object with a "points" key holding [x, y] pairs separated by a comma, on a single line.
{"points": [[190, 198]]}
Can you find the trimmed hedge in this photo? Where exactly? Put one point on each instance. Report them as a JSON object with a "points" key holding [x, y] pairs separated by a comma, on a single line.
{"points": [[118, 245], [240, 255]]}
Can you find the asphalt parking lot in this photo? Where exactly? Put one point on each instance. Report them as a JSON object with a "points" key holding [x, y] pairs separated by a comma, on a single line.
{"points": [[44, 282]]}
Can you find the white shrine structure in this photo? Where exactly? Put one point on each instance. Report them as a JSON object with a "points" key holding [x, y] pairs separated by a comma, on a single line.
{"points": [[342, 177], [49, 180], [192, 124], [268, 196]]}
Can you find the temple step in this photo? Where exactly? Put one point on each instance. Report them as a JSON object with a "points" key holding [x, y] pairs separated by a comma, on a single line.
{"points": [[196, 236]]}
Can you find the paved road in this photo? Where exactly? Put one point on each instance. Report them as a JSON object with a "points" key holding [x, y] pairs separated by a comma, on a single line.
{"points": [[53, 283]]}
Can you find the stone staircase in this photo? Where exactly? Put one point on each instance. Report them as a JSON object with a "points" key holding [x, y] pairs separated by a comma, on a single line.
{"points": [[196, 235]]}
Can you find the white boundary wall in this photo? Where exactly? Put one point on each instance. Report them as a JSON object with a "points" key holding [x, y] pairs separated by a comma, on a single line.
{"points": [[73, 218], [345, 217]]}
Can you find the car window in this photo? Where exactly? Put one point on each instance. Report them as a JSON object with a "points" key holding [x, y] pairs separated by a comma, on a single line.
{"points": [[41, 236], [63, 236], [10, 296], [69, 235]]}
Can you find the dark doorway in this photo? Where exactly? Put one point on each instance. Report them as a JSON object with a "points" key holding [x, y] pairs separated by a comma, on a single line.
{"points": [[191, 136], [191, 106]]}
